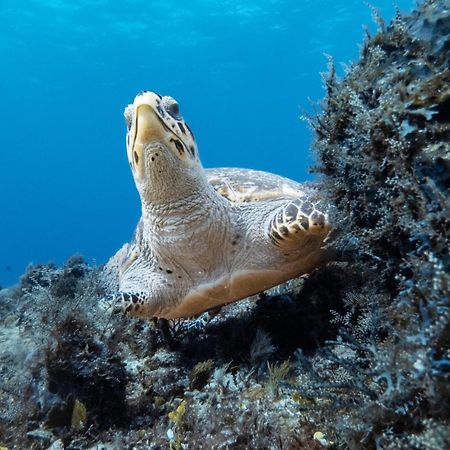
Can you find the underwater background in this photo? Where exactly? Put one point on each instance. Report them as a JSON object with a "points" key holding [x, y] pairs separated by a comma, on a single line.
{"points": [[353, 356], [243, 72]]}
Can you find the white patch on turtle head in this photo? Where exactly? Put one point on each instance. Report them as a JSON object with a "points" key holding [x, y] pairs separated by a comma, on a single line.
{"points": [[154, 122]]}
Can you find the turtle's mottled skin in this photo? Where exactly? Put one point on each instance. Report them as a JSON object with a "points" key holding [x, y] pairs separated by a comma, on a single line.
{"points": [[206, 237]]}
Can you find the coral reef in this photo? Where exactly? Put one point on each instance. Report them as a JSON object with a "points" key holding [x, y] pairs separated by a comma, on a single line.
{"points": [[354, 356]]}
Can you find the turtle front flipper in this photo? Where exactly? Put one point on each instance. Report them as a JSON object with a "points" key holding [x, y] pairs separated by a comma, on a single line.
{"points": [[133, 303], [295, 220]]}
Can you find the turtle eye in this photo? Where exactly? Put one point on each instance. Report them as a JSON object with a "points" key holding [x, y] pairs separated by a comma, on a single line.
{"points": [[171, 107], [174, 110]]}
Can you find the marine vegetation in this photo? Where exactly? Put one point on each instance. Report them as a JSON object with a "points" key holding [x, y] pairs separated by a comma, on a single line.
{"points": [[383, 144], [353, 356]]}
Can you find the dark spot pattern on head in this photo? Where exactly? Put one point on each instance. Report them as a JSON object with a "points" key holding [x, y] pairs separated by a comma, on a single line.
{"points": [[181, 127], [136, 157], [190, 131], [192, 150], [160, 110], [178, 145], [168, 271]]}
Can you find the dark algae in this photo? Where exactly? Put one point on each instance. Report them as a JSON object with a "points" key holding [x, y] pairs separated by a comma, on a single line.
{"points": [[354, 356], [383, 144]]}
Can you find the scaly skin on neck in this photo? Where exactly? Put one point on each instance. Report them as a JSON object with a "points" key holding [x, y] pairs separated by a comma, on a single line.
{"points": [[182, 214], [190, 219]]}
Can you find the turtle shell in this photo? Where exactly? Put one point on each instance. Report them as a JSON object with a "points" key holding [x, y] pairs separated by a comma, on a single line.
{"points": [[246, 185]]}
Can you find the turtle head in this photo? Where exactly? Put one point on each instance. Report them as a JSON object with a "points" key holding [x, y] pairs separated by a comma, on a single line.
{"points": [[160, 144]]}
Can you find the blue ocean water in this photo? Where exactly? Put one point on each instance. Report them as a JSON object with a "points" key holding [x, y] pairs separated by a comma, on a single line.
{"points": [[243, 72]]}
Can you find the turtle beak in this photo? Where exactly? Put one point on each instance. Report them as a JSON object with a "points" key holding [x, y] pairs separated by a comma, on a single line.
{"points": [[148, 125], [144, 127]]}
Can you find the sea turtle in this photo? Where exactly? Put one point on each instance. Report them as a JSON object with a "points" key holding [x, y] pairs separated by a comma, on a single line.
{"points": [[206, 237]]}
